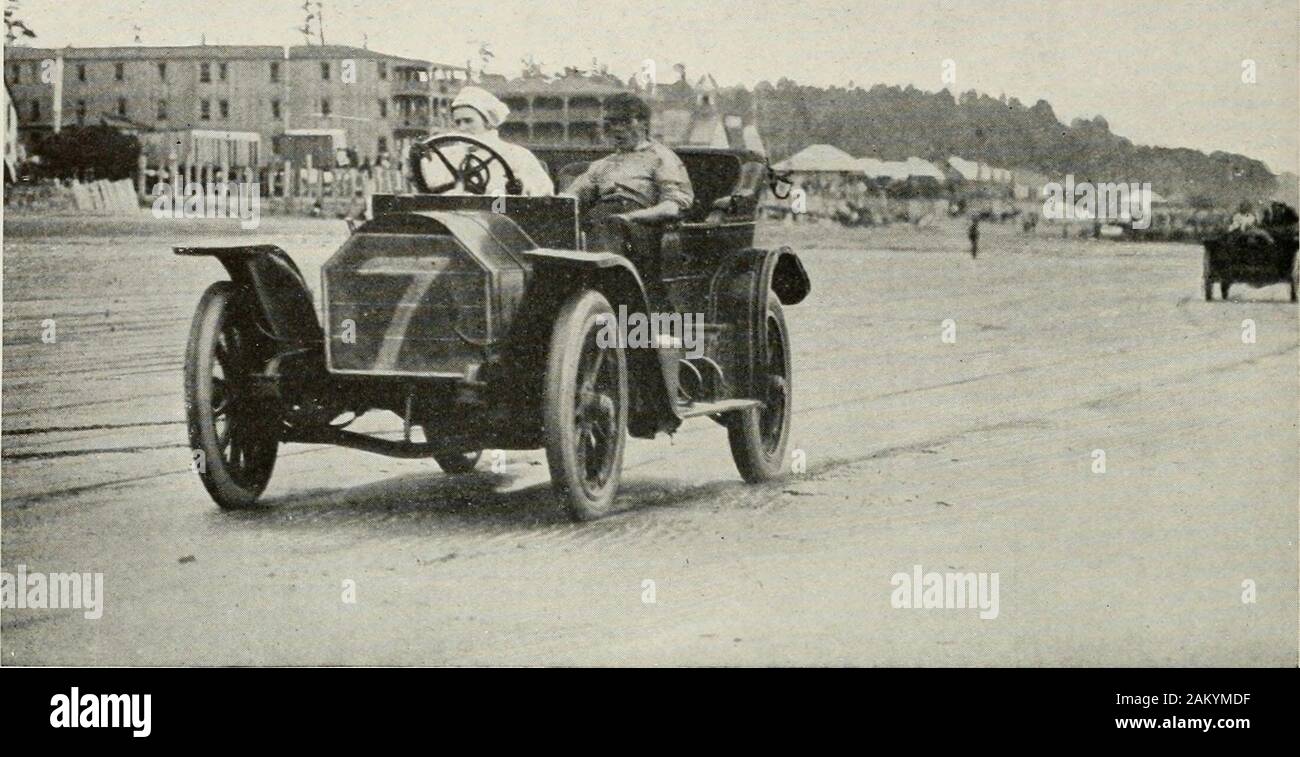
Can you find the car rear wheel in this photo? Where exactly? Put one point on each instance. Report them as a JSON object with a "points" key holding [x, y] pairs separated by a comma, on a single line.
{"points": [[585, 408], [234, 435], [758, 436], [457, 462]]}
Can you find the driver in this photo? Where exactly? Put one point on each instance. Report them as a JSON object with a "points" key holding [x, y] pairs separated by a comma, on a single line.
{"points": [[479, 114]]}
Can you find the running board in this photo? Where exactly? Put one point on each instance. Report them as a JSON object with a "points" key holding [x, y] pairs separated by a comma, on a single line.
{"points": [[715, 408]]}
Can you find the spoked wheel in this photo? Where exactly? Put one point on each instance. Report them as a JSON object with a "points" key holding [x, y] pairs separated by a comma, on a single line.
{"points": [[758, 436], [234, 435], [585, 408], [458, 462]]}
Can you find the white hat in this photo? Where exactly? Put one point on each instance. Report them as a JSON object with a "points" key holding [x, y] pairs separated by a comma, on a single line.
{"points": [[494, 111]]}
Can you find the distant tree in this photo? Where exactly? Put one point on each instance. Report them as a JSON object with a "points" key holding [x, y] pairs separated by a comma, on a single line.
{"points": [[16, 30], [79, 151], [893, 123]]}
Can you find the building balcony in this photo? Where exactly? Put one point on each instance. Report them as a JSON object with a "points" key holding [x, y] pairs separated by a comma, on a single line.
{"points": [[412, 120], [412, 87]]}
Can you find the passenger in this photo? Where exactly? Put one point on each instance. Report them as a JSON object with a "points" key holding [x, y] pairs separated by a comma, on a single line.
{"points": [[639, 186], [479, 114]]}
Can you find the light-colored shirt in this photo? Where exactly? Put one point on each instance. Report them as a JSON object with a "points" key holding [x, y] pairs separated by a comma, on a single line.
{"points": [[648, 174], [1242, 221]]}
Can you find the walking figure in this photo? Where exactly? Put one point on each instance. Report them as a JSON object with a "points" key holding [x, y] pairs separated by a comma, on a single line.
{"points": [[974, 234]]}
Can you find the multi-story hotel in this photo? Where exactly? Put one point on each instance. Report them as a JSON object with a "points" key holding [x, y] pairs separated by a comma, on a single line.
{"points": [[376, 99], [570, 110]]}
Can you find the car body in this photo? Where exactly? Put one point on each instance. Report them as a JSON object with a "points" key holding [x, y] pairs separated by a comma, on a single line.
{"points": [[475, 318], [1257, 256]]}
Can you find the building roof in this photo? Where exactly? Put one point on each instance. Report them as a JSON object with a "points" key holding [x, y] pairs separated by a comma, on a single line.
{"points": [[213, 52], [564, 85], [814, 158]]}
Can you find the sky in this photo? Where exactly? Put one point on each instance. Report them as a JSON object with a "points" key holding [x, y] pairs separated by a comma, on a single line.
{"points": [[1162, 72]]}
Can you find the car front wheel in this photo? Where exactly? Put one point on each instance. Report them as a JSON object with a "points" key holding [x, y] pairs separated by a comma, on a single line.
{"points": [[585, 408], [234, 433]]}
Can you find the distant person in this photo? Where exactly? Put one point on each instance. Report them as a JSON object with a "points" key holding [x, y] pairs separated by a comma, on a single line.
{"points": [[973, 233], [1244, 218]]}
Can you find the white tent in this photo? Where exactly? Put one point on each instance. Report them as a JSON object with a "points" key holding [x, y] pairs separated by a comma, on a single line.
{"points": [[819, 159], [923, 168], [898, 169]]}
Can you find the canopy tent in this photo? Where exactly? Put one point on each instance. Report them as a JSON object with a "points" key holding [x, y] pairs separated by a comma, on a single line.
{"points": [[972, 170], [899, 170], [819, 159]]}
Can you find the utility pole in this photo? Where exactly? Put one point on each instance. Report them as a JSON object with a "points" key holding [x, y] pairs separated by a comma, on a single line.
{"points": [[284, 89]]}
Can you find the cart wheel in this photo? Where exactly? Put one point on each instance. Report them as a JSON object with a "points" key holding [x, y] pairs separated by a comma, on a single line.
{"points": [[758, 436], [234, 436], [457, 462], [585, 408]]}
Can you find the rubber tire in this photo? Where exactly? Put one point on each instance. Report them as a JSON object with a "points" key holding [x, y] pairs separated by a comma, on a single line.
{"points": [[215, 305], [755, 463], [576, 319], [457, 462]]}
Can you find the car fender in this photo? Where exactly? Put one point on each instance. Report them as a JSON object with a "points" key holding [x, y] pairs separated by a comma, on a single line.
{"points": [[739, 299], [556, 274], [275, 284]]}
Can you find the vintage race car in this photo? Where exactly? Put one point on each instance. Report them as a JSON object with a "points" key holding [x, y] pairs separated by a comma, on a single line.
{"points": [[1256, 256], [477, 320]]}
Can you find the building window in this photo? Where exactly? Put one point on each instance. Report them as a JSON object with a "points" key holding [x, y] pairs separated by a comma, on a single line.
{"points": [[81, 72], [121, 106], [224, 108], [223, 70], [205, 110], [162, 110], [275, 71], [162, 71], [383, 145], [119, 71], [36, 110], [383, 69], [275, 109], [81, 113], [383, 109], [205, 72], [325, 70], [324, 106]]}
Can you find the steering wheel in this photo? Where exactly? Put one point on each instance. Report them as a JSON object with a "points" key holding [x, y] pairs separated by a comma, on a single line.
{"points": [[473, 173]]}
